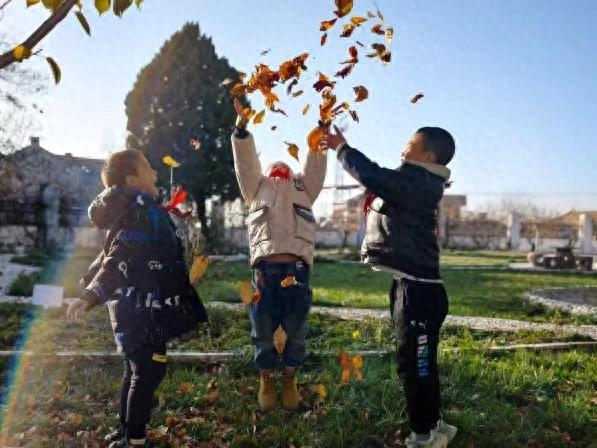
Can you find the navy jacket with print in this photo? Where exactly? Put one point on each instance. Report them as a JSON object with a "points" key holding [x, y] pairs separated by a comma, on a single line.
{"points": [[141, 272], [402, 221]]}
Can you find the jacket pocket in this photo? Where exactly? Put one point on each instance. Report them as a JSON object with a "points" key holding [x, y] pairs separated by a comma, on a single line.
{"points": [[305, 223], [258, 225]]}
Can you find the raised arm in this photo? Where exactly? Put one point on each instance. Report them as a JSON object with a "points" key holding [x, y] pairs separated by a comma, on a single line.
{"points": [[246, 163], [314, 173]]}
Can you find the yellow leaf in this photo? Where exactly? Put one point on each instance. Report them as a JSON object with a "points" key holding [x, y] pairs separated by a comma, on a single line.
{"points": [[170, 162], [83, 22], [102, 6], [280, 339], [293, 150], [356, 334], [32, 2], [52, 5], [358, 20], [246, 292], [55, 69], [321, 390], [138, 3], [21, 52], [259, 117], [249, 113], [198, 269], [290, 280]]}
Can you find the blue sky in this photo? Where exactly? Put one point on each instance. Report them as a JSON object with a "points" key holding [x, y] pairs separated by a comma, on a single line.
{"points": [[513, 80]]}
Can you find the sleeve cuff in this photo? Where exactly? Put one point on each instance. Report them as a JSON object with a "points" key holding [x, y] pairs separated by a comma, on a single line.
{"points": [[92, 297], [341, 150], [241, 133]]}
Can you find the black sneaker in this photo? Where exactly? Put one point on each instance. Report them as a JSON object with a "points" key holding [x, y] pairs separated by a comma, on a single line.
{"points": [[120, 443]]}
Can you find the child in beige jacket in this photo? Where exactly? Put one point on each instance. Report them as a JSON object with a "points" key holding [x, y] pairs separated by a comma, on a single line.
{"points": [[281, 230]]}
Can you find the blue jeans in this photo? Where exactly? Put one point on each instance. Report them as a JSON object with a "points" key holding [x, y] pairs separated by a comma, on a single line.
{"points": [[287, 306]]}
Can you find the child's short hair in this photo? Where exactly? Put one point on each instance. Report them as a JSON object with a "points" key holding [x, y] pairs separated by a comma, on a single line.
{"points": [[439, 142], [119, 165]]}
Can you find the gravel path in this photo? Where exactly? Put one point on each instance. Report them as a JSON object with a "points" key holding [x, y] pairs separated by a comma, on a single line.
{"points": [[475, 323]]}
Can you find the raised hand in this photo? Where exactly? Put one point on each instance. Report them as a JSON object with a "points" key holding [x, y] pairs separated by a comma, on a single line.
{"points": [[242, 117], [77, 308], [332, 141]]}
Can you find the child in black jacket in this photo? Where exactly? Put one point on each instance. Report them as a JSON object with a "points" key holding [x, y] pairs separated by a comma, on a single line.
{"points": [[401, 239], [142, 277]]}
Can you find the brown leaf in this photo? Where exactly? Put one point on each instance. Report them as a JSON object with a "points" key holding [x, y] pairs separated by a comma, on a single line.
{"points": [[306, 109], [298, 93], [239, 89], [314, 138], [274, 128], [185, 387], [345, 71], [344, 7], [358, 20], [246, 292], [361, 92], [377, 29], [327, 24], [291, 84], [416, 98], [353, 114], [323, 82], [324, 39], [280, 339], [212, 396], [348, 30]]}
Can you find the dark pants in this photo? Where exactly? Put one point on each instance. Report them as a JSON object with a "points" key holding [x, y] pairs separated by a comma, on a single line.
{"points": [[144, 369], [287, 306], [418, 311]]}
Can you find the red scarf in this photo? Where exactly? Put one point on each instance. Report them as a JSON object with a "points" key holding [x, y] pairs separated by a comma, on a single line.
{"points": [[178, 196], [369, 198]]}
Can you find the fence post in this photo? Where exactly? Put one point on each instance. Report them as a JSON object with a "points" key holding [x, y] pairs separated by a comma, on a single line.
{"points": [[585, 233], [513, 230]]}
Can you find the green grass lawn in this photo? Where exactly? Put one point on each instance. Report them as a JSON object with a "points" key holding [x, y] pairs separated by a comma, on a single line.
{"points": [[509, 400]]}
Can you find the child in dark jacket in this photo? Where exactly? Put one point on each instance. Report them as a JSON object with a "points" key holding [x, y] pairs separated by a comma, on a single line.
{"points": [[401, 239], [141, 275]]}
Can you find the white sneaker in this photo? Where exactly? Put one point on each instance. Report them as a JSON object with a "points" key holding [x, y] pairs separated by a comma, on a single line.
{"points": [[435, 440], [448, 430]]}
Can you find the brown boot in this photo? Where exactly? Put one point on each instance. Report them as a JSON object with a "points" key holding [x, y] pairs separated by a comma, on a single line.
{"points": [[267, 398], [290, 394]]}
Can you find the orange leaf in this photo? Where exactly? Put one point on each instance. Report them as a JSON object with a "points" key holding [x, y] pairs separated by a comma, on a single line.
{"points": [[377, 29], [357, 362], [239, 89], [346, 376], [345, 361], [314, 137], [293, 150], [256, 297], [280, 339], [249, 113], [246, 292], [327, 24], [358, 20], [259, 117], [345, 71], [344, 7], [348, 30], [361, 92], [323, 82], [290, 280], [416, 98], [306, 109]]}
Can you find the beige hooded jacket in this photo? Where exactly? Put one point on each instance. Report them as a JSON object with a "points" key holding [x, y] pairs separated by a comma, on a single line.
{"points": [[280, 216]]}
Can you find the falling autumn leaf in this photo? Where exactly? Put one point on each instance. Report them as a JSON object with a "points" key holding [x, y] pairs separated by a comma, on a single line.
{"points": [[306, 109], [370, 14], [353, 114], [293, 150], [345, 71], [344, 7], [198, 269], [246, 292], [291, 84], [358, 20], [348, 30], [389, 35], [327, 24], [298, 93], [280, 339], [323, 82], [195, 143], [226, 82], [416, 98], [380, 52], [324, 39], [314, 138], [361, 92], [259, 117], [377, 29], [249, 113], [274, 128], [55, 69], [264, 52]]}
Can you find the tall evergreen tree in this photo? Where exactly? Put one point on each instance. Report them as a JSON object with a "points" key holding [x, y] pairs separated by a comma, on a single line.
{"points": [[178, 96]]}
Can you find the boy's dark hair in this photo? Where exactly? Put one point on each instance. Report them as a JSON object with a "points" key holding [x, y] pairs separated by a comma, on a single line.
{"points": [[439, 142], [119, 165]]}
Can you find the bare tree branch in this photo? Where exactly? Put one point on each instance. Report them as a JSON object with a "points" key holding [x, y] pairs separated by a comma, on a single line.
{"points": [[3, 5], [8, 58]]}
